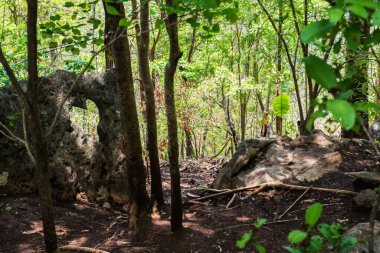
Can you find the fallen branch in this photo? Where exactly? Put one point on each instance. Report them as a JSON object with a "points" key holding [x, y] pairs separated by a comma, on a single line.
{"points": [[261, 187], [294, 203], [253, 224], [82, 249]]}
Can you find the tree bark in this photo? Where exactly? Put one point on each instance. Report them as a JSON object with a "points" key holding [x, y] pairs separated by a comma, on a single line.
{"points": [[143, 55], [279, 120], [170, 70], [136, 174]]}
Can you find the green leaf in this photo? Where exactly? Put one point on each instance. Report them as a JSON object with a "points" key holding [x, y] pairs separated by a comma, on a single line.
{"points": [[111, 10], [292, 250], [53, 44], [68, 4], [316, 30], [376, 17], [358, 10], [244, 240], [297, 236], [260, 248], [260, 222], [281, 105], [321, 72], [347, 244], [343, 112], [55, 17], [159, 24], [335, 14], [125, 22], [363, 3], [315, 244], [313, 213]]}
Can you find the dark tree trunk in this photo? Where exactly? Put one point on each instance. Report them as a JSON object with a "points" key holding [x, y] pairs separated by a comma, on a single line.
{"points": [[170, 69], [143, 52], [279, 119], [359, 80], [136, 174], [38, 139], [189, 144], [107, 38]]}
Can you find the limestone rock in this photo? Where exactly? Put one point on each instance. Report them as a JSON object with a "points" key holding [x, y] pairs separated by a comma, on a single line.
{"points": [[365, 199], [365, 179], [361, 232], [304, 159], [4, 178]]}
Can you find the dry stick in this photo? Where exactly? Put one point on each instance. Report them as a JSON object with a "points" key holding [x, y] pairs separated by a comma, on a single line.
{"points": [[228, 206], [82, 249], [60, 107], [294, 203], [279, 185], [253, 224]]}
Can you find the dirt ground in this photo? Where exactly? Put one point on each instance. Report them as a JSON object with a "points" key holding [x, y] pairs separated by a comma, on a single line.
{"points": [[208, 227]]}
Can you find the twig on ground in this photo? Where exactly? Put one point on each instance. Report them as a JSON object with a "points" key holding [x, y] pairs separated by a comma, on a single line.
{"points": [[261, 187], [253, 224], [228, 206], [294, 203], [82, 249]]}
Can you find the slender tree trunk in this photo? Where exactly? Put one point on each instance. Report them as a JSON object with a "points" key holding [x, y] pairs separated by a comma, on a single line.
{"points": [[170, 70], [107, 38], [38, 139], [189, 144], [143, 52], [279, 65], [136, 174]]}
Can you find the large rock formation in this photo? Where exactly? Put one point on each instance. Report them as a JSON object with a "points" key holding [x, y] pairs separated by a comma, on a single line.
{"points": [[78, 162], [307, 158]]}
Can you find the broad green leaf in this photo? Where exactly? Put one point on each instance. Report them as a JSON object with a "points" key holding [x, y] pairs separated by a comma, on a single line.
{"points": [[343, 112], [315, 244], [316, 30], [358, 10], [244, 240], [363, 3], [53, 44], [313, 213], [321, 72], [159, 24], [353, 35], [111, 10], [296, 236], [281, 105], [347, 244], [376, 17], [335, 14]]}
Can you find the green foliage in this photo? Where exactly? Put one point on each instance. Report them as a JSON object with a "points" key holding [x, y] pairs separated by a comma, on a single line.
{"points": [[281, 105], [329, 237]]}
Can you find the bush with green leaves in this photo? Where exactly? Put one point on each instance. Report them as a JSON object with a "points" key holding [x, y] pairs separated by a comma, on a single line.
{"points": [[315, 239], [343, 29]]}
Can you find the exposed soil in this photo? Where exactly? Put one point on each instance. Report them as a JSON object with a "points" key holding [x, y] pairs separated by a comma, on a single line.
{"points": [[209, 227]]}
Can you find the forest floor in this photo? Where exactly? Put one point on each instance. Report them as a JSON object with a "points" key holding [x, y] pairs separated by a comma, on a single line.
{"points": [[208, 227]]}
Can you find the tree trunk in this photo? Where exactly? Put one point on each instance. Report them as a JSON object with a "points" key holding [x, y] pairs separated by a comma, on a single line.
{"points": [[38, 139], [170, 70], [143, 52], [279, 66], [107, 38], [136, 174]]}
